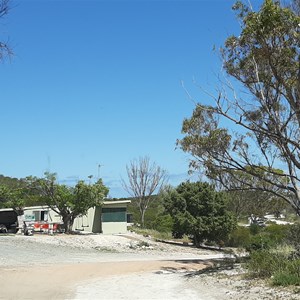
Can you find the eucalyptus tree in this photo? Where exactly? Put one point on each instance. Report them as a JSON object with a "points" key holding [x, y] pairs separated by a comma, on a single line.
{"points": [[253, 123], [252, 197]]}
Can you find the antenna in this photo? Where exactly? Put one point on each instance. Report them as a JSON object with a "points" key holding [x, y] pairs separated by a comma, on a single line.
{"points": [[99, 166]]}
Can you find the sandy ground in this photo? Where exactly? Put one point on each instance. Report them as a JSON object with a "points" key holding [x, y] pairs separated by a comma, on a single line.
{"points": [[116, 267]]}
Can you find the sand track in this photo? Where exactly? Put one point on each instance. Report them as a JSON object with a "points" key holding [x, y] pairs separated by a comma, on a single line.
{"points": [[115, 267]]}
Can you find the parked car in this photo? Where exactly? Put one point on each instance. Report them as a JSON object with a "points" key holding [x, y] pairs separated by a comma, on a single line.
{"points": [[8, 220], [261, 223]]}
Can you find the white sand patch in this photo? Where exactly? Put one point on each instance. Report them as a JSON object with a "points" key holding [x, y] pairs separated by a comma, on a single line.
{"points": [[138, 286]]}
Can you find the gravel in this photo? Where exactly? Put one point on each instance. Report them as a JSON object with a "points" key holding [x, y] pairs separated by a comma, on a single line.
{"points": [[24, 252], [41, 249]]}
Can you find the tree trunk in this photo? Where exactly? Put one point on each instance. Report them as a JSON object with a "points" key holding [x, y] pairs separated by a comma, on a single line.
{"points": [[196, 241], [143, 218], [68, 223]]}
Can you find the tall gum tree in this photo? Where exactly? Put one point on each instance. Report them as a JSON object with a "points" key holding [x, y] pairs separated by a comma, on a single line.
{"points": [[262, 131]]}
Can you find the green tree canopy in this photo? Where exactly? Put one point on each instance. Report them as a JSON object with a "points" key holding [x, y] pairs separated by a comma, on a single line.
{"points": [[257, 130], [14, 194], [199, 211], [68, 202], [249, 196]]}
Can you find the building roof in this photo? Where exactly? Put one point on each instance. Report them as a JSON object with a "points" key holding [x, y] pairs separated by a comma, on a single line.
{"points": [[6, 209], [116, 202]]}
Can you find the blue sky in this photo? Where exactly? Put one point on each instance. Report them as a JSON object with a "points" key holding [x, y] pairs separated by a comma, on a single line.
{"points": [[99, 82]]}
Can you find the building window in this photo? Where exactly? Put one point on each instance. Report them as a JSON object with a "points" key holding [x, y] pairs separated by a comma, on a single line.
{"points": [[115, 214]]}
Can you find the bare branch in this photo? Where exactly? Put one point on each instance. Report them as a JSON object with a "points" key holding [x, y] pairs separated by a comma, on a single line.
{"points": [[144, 179], [5, 49]]}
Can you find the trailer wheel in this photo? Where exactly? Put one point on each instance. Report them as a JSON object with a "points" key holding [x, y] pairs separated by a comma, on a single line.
{"points": [[3, 228]]}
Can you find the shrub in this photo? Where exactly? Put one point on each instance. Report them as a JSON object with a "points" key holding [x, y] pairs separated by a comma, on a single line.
{"points": [[285, 279], [151, 233], [240, 237], [255, 229], [277, 232], [263, 264], [277, 264], [289, 275], [267, 237], [260, 242], [163, 223], [293, 235]]}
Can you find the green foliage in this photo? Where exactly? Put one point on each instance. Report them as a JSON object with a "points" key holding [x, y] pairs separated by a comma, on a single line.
{"points": [[274, 254], [163, 223], [264, 263], [68, 202], [277, 232], [260, 242], [199, 211], [156, 218], [5, 195], [151, 232], [286, 278], [12, 183], [154, 208], [255, 229], [266, 237], [254, 237], [264, 31], [257, 203], [13, 193], [293, 235], [263, 120], [275, 264], [239, 237]]}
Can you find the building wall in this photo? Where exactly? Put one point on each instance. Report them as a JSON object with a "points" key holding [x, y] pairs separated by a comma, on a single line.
{"points": [[91, 222], [114, 227], [114, 218]]}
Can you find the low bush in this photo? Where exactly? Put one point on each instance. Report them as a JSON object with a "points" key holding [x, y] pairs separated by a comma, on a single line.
{"points": [[151, 232], [255, 229], [285, 279], [293, 235], [277, 232], [276, 264], [163, 223], [269, 237], [260, 242], [240, 237], [263, 265]]}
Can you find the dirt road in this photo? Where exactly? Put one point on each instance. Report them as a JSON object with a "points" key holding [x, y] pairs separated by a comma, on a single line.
{"points": [[113, 267]]}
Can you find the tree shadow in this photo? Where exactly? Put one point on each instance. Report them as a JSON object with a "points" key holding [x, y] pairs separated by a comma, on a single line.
{"points": [[216, 266]]}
